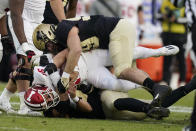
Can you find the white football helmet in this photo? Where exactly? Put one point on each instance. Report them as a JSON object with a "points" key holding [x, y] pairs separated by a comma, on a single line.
{"points": [[40, 97]]}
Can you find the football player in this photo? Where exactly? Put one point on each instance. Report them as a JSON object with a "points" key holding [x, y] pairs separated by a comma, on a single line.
{"points": [[113, 103], [91, 68], [24, 17], [87, 33]]}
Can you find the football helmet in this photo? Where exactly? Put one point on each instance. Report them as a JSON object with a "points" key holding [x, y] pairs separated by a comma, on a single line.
{"points": [[44, 34], [40, 97]]}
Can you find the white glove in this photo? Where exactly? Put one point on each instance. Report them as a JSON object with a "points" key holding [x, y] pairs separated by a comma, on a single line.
{"points": [[25, 47]]}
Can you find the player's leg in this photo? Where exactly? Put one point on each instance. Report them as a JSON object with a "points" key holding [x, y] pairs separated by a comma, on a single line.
{"points": [[143, 52], [24, 73], [179, 93], [102, 78], [121, 51], [117, 105], [7, 93]]}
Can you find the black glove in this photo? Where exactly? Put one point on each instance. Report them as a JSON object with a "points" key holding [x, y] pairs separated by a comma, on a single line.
{"points": [[60, 87], [50, 68], [30, 54]]}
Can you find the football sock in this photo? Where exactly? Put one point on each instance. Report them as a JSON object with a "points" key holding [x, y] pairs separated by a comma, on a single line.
{"points": [[21, 96], [142, 52], [174, 97], [131, 104], [191, 85], [149, 83], [6, 94]]}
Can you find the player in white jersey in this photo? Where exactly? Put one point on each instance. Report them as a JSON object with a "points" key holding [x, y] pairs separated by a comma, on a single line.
{"points": [[140, 52], [22, 22], [91, 69]]}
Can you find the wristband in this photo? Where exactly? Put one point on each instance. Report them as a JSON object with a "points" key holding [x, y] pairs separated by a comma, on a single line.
{"points": [[76, 99], [65, 75]]}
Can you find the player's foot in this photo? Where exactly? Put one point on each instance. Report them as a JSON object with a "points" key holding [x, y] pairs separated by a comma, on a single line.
{"points": [[5, 106], [158, 112], [159, 92], [168, 50], [28, 112]]}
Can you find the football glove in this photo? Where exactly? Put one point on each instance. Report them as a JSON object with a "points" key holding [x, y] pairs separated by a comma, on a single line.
{"points": [[50, 68]]}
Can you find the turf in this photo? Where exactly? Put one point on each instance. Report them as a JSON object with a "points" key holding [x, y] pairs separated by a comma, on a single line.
{"points": [[175, 122]]}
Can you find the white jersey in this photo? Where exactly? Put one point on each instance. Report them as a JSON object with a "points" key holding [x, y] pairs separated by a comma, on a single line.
{"points": [[92, 69], [4, 4], [32, 16], [41, 77], [33, 10]]}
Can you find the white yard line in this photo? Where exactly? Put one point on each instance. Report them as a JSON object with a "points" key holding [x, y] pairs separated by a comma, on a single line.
{"points": [[15, 128]]}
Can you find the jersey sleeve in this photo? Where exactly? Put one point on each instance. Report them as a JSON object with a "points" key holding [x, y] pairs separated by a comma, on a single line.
{"points": [[62, 32]]}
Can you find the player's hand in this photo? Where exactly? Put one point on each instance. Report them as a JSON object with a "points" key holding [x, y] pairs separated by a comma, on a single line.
{"points": [[74, 77], [72, 90], [50, 68], [30, 53]]}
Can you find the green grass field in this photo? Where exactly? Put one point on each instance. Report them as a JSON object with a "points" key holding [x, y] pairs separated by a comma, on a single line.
{"points": [[175, 122]]}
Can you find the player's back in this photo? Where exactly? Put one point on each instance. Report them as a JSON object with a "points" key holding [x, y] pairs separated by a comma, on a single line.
{"points": [[94, 31]]}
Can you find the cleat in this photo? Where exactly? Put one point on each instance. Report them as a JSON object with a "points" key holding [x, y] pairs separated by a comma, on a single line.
{"points": [[168, 50], [159, 92], [158, 112], [28, 112], [5, 106]]}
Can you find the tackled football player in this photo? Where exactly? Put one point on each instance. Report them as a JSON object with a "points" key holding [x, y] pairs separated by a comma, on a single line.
{"points": [[113, 104], [87, 33], [35, 15]]}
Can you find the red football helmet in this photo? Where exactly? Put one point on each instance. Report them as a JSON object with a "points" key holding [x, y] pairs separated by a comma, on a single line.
{"points": [[40, 97]]}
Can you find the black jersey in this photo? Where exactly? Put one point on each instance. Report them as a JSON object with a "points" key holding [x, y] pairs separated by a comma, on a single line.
{"points": [[49, 17], [94, 31]]}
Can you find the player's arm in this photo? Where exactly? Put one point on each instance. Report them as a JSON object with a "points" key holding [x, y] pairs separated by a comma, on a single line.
{"points": [[72, 9], [60, 58], [81, 105], [74, 47], [58, 9], [16, 8]]}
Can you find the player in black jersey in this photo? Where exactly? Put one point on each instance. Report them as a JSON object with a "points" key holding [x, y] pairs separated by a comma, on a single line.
{"points": [[57, 10], [88, 33]]}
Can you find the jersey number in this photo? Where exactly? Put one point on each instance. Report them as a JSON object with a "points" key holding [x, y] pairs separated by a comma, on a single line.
{"points": [[29, 98], [90, 44]]}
